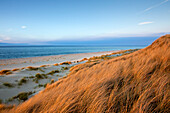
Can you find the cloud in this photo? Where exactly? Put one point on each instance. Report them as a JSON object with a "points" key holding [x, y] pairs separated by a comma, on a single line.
{"points": [[23, 27], [143, 23], [154, 6]]}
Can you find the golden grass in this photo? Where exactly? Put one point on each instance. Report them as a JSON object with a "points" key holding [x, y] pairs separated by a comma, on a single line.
{"points": [[136, 83], [84, 59], [66, 63], [5, 72], [32, 68], [16, 69], [56, 64], [43, 65]]}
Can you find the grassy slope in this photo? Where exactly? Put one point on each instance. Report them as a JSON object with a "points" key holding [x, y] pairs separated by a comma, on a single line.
{"points": [[138, 82]]}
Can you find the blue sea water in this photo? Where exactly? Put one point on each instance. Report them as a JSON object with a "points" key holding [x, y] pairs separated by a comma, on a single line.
{"points": [[9, 52]]}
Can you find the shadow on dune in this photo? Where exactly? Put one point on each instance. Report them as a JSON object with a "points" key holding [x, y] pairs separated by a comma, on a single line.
{"points": [[137, 82]]}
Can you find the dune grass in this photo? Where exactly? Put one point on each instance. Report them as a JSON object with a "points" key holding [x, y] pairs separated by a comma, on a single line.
{"points": [[56, 64], [32, 68], [66, 63], [16, 69], [5, 72], [53, 72]]}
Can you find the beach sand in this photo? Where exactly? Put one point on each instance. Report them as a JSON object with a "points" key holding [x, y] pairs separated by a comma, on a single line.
{"points": [[46, 60], [32, 83]]}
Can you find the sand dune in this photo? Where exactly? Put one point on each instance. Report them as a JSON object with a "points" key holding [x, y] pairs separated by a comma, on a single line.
{"points": [[137, 82]]}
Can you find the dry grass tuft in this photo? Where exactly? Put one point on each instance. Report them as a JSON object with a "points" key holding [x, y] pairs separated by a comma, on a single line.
{"points": [[32, 68], [43, 65], [66, 63], [5, 72], [136, 83], [7, 84], [84, 59], [16, 69], [56, 64]]}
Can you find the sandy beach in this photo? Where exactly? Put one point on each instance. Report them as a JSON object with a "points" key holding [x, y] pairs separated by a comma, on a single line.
{"points": [[46, 60], [24, 78]]}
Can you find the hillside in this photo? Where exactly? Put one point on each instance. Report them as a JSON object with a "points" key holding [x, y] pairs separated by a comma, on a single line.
{"points": [[137, 82]]}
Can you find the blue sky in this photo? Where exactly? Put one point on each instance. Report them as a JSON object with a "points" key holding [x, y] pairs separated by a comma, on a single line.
{"points": [[40, 21]]}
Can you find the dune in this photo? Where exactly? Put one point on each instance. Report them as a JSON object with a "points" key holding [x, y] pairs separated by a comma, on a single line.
{"points": [[138, 82]]}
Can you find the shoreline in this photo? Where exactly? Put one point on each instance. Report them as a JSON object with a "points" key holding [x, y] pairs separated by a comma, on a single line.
{"points": [[29, 78], [47, 60], [43, 70]]}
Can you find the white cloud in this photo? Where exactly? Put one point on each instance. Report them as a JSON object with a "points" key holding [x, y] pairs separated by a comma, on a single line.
{"points": [[154, 6], [23, 27], [143, 23]]}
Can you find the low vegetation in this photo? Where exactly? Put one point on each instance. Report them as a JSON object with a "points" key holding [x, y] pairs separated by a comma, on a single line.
{"points": [[39, 76], [31, 77], [56, 64], [23, 80], [16, 69], [66, 63], [64, 68], [32, 68], [43, 65], [45, 85], [53, 72], [52, 81], [22, 96], [84, 59], [7, 84], [110, 56], [40, 85], [5, 72]]}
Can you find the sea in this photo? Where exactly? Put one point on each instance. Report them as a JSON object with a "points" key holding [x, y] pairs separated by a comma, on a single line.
{"points": [[10, 52]]}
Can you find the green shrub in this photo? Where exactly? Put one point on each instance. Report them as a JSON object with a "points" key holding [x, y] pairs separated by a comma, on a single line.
{"points": [[39, 76], [23, 80], [0, 101], [40, 85], [35, 80], [57, 75], [53, 72], [7, 84], [64, 68], [32, 77], [41, 70], [52, 81], [23, 95], [45, 85], [44, 75]]}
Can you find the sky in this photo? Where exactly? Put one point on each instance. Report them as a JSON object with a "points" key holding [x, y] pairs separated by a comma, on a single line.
{"points": [[42, 21]]}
